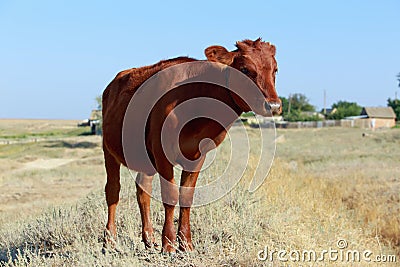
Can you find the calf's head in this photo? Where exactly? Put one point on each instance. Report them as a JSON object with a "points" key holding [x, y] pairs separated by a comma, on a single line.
{"points": [[255, 59]]}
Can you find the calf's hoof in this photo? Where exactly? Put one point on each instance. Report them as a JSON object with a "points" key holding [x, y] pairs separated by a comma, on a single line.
{"points": [[185, 246], [185, 242], [110, 244], [149, 240], [168, 249]]}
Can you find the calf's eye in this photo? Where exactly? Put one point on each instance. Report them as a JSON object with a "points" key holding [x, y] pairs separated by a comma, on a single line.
{"points": [[244, 70]]}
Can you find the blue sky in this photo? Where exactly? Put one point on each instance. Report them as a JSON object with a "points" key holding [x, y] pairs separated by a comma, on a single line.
{"points": [[57, 56]]}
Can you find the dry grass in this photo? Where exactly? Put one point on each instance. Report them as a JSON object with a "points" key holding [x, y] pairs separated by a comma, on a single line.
{"points": [[364, 170], [325, 185]]}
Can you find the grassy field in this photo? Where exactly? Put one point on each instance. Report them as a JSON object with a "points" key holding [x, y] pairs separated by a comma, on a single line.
{"points": [[325, 186], [30, 129]]}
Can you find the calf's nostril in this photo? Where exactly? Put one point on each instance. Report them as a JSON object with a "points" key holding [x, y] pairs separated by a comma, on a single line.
{"points": [[274, 106]]}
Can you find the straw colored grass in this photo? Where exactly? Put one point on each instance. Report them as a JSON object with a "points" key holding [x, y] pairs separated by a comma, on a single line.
{"points": [[325, 185]]}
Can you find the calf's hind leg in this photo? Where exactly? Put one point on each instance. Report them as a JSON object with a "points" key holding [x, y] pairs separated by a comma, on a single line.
{"points": [[112, 197], [143, 191]]}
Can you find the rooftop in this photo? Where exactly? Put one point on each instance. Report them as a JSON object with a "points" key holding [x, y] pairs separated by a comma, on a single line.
{"points": [[379, 112]]}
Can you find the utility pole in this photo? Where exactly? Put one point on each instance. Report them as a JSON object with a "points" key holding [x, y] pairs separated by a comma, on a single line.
{"points": [[395, 93], [290, 100], [324, 102]]}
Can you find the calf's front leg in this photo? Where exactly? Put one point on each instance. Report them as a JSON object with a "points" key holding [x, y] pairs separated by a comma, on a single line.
{"points": [[186, 191], [169, 195]]}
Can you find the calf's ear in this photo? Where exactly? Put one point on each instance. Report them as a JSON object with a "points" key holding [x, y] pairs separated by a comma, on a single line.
{"points": [[219, 54]]}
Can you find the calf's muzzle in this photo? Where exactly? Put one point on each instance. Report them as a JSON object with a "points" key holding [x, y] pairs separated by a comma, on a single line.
{"points": [[275, 107]]}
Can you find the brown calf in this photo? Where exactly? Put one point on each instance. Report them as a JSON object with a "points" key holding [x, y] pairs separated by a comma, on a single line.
{"points": [[253, 58]]}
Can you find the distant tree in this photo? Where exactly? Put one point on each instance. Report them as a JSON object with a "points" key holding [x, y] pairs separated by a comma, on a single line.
{"points": [[345, 109], [294, 105], [247, 114], [99, 102], [285, 105], [395, 104], [300, 102], [296, 115]]}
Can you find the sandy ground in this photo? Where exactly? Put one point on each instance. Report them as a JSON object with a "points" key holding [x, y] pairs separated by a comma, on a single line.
{"points": [[35, 176]]}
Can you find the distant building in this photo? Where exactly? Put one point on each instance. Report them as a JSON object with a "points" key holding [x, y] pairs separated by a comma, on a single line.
{"points": [[379, 117], [93, 121], [372, 118], [328, 111]]}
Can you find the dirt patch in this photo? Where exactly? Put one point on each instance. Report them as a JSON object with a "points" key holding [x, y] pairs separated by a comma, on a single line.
{"points": [[45, 164], [32, 179]]}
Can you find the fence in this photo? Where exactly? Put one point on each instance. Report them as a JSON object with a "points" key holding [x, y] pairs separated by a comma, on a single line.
{"points": [[359, 123], [307, 124]]}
